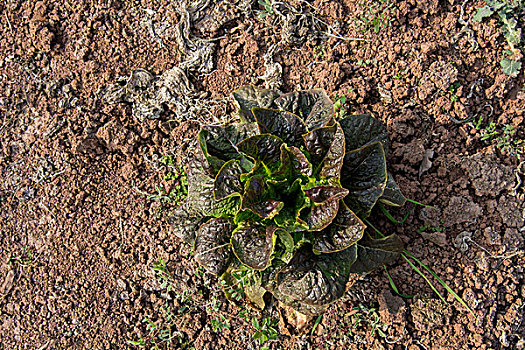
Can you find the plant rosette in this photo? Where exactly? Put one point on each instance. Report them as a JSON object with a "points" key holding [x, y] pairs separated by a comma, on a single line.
{"points": [[282, 197]]}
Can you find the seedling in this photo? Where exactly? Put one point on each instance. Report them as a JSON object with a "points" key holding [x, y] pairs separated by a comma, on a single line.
{"points": [[451, 92], [320, 52], [179, 176], [365, 63], [267, 9], [265, 330], [363, 315], [430, 228], [397, 76]]}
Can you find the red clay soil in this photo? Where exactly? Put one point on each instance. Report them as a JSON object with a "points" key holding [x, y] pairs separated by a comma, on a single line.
{"points": [[79, 233]]}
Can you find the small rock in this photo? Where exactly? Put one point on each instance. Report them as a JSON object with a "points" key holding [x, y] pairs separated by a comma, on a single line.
{"points": [[512, 211], [436, 237], [488, 175], [461, 210], [8, 283], [391, 307]]}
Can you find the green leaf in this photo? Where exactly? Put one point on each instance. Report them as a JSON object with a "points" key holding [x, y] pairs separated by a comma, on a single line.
{"points": [[254, 245], [212, 245], [228, 180], [325, 205], [313, 106], [510, 67], [285, 167], [200, 191], [257, 198], [286, 239], [295, 200], [248, 97], [364, 175], [345, 230], [246, 215], [285, 125], [392, 195], [263, 148], [185, 222], [374, 253], [362, 130], [255, 323], [483, 12], [316, 279]]}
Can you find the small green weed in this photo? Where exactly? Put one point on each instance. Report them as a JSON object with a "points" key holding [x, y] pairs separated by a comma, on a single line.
{"points": [[265, 330], [267, 9], [397, 76], [503, 137], [339, 105], [366, 63], [161, 332], [362, 316], [431, 228], [174, 172], [510, 14], [340, 111], [375, 17], [451, 92], [320, 52], [162, 274], [23, 258]]}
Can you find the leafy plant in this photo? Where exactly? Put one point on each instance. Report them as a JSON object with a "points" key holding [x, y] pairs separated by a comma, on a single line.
{"points": [[509, 13], [283, 195]]}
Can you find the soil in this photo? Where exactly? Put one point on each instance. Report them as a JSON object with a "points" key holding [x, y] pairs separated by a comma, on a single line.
{"points": [[80, 232]]}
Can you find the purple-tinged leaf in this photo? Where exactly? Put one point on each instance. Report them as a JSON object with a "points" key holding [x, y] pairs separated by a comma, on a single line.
{"points": [[392, 195], [212, 245], [325, 205], [263, 148], [200, 191], [345, 230], [228, 180], [248, 97], [364, 175], [374, 253], [362, 130], [316, 279], [285, 125], [300, 163], [256, 199], [254, 245], [218, 142], [313, 106]]}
